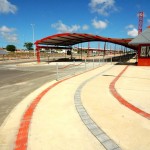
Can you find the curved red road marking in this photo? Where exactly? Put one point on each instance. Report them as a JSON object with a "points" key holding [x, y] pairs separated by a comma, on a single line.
{"points": [[122, 100], [70, 65], [65, 66], [22, 135]]}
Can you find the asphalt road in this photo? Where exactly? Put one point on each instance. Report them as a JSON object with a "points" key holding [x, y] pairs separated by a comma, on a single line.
{"points": [[17, 82]]}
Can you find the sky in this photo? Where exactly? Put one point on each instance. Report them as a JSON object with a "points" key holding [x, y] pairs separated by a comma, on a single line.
{"points": [[30, 20]]}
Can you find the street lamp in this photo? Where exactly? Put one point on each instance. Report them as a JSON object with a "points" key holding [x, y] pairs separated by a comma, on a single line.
{"points": [[32, 25]]}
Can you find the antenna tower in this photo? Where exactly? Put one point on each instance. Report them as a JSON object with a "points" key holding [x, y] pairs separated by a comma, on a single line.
{"points": [[140, 25]]}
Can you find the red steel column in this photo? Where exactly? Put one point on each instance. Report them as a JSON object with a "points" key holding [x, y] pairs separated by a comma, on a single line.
{"points": [[98, 48], [38, 53], [104, 48], [88, 53]]}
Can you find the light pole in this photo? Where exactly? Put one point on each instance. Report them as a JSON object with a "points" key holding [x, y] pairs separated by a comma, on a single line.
{"points": [[32, 25]]}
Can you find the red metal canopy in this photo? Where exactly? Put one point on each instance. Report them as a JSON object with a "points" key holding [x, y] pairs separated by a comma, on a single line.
{"points": [[69, 39]]}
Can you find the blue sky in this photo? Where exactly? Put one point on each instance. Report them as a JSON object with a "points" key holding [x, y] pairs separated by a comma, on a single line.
{"points": [[109, 18]]}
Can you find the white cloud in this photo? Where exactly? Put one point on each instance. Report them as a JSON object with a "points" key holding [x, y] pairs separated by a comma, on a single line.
{"points": [[85, 27], [103, 7], [6, 29], [133, 32], [99, 24], [8, 34], [7, 7], [130, 26], [13, 38], [61, 27]]}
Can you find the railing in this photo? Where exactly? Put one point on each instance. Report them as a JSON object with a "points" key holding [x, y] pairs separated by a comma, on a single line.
{"points": [[66, 69]]}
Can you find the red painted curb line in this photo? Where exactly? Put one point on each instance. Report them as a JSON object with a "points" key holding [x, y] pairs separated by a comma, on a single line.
{"points": [[122, 100], [22, 135], [65, 66], [70, 65]]}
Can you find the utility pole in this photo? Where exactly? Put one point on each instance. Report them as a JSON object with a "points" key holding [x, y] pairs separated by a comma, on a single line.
{"points": [[32, 25]]}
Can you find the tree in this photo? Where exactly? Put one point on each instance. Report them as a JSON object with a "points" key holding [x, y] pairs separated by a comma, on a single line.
{"points": [[11, 48], [28, 45]]}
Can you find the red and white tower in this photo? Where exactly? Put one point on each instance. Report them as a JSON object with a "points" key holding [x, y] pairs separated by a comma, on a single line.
{"points": [[140, 25]]}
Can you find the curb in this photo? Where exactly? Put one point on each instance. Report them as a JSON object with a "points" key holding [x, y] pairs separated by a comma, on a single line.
{"points": [[101, 136], [22, 135]]}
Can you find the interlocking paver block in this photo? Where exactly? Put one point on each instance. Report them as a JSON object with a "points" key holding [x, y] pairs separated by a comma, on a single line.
{"points": [[97, 131], [87, 121], [81, 109], [91, 126], [110, 145], [84, 117], [118, 148], [83, 113], [102, 137]]}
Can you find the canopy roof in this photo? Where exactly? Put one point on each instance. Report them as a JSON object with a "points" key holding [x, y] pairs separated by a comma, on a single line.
{"points": [[143, 38], [69, 39]]}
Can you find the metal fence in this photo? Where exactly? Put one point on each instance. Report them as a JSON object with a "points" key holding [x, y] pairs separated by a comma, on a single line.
{"points": [[76, 67], [66, 69]]}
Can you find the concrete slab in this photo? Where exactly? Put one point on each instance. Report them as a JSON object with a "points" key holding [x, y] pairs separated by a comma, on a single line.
{"points": [[134, 86], [56, 122], [127, 128]]}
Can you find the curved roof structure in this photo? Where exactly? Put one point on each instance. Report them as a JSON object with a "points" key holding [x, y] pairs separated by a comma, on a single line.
{"points": [[143, 38], [69, 39]]}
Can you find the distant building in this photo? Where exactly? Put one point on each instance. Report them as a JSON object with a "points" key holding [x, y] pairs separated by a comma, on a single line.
{"points": [[3, 51], [142, 41]]}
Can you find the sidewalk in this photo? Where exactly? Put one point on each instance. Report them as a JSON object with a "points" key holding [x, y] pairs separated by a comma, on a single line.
{"points": [[127, 128], [56, 124]]}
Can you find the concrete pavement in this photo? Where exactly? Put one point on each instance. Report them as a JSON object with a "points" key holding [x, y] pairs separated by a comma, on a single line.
{"points": [[126, 127], [81, 113]]}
